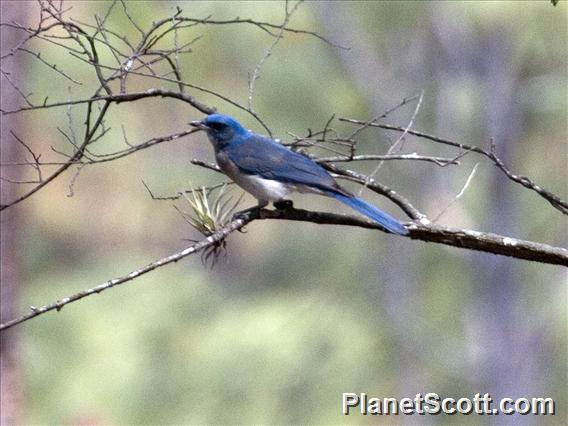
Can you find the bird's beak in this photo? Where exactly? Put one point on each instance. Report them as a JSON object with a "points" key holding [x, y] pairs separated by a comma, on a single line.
{"points": [[198, 124]]}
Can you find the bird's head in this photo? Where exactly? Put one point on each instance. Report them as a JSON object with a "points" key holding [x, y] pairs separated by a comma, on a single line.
{"points": [[221, 129]]}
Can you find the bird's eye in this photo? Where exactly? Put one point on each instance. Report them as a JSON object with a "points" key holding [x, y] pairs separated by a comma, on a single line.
{"points": [[216, 125]]}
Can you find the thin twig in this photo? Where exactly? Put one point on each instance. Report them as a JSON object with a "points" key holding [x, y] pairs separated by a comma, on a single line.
{"points": [[181, 193], [16, 88], [279, 35], [50, 65], [460, 194], [399, 141], [553, 199], [125, 97], [440, 161], [89, 132]]}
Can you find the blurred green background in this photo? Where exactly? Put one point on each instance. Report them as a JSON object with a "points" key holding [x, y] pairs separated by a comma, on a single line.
{"points": [[298, 313]]}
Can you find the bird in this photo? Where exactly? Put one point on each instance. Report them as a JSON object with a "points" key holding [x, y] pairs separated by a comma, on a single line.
{"points": [[270, 171]]}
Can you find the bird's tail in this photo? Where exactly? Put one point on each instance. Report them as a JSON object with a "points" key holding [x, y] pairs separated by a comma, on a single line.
{"points": [[385, 220]]}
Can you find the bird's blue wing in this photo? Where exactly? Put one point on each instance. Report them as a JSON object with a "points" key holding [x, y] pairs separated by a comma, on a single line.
{"points": [[259, 155]]}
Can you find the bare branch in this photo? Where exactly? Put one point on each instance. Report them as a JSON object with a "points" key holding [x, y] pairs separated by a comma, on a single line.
{"points": [[36, 164], [382, 115], [16, 88], [265, 26], [89, 132], [460, 194], [134, 24], [553, 199], [256, 73], [135, 148], [181, 193], [52, 66], [474, 240], [399, 141], [125, 97], [207, 242], [440, 161], [88, 43], [103, 158]]}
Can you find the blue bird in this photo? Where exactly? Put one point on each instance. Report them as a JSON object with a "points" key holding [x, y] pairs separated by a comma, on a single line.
{"points": [[270, 171]]}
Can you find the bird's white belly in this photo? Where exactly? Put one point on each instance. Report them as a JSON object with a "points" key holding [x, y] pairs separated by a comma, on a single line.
{"points": [[260, 188], [263, 189]]}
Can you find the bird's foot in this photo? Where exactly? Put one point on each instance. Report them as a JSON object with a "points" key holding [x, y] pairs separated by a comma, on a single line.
{"points": [[284, 205]]}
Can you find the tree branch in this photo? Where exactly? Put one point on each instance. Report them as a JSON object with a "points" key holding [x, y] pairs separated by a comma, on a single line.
{"points": [[89, 133], [553, 199], [207, 242], [125, 97], [463, 238], [132, 58]]}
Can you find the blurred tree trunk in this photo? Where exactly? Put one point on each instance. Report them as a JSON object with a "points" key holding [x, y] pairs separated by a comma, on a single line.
{"points": [[509, 353], [11, 384], [504, 361], [397, 278]]}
